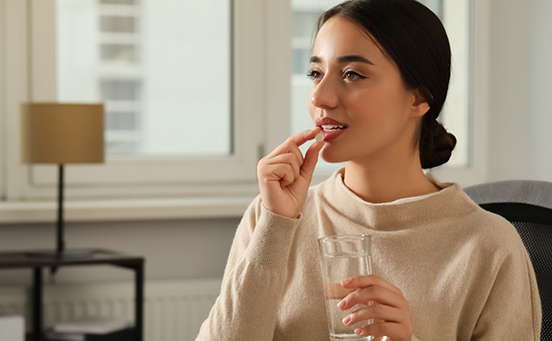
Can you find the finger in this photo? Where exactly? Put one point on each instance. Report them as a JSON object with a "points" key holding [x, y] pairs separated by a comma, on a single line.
{"points": [[373, 293], [288, 158], [391, 331], [369, 280], [288, 147], [383, 338], [311, 158], [283, 173], [378, 312], [334, 291], [377, 329], [293, 142], [304, 136]]}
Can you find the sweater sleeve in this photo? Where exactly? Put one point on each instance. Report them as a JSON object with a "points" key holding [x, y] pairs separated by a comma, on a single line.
{"points": [[254, 278], [513, 309]]}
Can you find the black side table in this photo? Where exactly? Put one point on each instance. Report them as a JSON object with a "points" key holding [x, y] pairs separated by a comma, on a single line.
{"points": [[21, 259]]}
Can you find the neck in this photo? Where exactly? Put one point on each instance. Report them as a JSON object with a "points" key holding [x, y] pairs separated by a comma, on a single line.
{"points": [[380, 181]]}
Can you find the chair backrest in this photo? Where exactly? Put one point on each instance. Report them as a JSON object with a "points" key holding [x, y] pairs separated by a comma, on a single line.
{"points": [[528, 206]]}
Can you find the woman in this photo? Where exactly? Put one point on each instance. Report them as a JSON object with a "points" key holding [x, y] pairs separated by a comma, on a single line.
{"points": [[444, 269]]}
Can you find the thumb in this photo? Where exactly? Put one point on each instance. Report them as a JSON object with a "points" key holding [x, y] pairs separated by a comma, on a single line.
{"points": [[310, 160]]}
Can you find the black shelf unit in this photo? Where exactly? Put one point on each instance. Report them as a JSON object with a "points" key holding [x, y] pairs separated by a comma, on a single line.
{"points": [[22, 259]]}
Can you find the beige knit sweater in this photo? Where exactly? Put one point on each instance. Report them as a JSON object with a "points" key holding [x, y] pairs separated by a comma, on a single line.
{"points": [[464, 271]]}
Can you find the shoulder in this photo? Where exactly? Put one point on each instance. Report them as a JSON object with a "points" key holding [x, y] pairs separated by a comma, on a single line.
{"points": [[488, 223], [455, 218], [493, 233], [470, 217]]}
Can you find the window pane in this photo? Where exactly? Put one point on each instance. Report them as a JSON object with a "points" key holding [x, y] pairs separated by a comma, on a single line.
{"points": [[162, 68], [118, 52], [117, 24], [121, 121], [303, 23], [115, 90]]}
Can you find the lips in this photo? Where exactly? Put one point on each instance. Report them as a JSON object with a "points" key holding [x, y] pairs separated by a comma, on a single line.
{"points": [[331, 128]]}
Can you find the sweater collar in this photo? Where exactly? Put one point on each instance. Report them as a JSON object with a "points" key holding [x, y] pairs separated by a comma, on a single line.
{"points": [[450, 202]]}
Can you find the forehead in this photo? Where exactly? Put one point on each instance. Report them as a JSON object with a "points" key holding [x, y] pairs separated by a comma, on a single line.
{"points": [[339, 37]]}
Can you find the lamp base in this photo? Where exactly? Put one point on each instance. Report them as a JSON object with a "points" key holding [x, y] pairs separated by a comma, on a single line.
{"points": [[65, 254]]}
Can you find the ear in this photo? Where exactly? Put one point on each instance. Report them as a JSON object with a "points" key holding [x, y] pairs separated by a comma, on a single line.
{"points": [[420, 106]]}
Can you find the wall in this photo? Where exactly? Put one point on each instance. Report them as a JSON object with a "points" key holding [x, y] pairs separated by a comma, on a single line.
{"points": [[510, 90], [521, 82], [173, 249], [541, 89]]}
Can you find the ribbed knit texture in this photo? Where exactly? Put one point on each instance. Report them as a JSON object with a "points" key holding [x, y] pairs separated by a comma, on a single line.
{"points": [[464, 271]]}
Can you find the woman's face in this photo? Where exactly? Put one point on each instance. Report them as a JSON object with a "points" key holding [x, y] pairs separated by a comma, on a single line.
{"points": [[358, 97]]}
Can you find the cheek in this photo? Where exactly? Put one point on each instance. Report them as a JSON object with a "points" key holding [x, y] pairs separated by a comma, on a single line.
{"points": [[312, 108]]}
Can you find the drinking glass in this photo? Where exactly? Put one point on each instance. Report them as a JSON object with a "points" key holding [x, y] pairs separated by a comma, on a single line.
{"points": [[342, 257]]}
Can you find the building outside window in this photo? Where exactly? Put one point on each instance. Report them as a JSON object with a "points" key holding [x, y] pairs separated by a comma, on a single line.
{"points": [[161, 68]]}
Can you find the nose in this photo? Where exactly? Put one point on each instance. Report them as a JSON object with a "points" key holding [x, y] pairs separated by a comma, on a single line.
{"points": [[324, 94]]}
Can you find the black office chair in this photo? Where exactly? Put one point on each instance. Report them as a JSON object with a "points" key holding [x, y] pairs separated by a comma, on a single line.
{"points": [[528, 206]]}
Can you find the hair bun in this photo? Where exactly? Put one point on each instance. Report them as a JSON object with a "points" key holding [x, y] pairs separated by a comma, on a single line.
{"points": [[437, 149]]}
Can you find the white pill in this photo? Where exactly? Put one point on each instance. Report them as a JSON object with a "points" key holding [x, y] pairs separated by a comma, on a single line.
{"points": [[319, 137]]}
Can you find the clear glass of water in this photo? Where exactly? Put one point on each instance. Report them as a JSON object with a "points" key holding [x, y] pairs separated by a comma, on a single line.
{"points": [[342, 257]]}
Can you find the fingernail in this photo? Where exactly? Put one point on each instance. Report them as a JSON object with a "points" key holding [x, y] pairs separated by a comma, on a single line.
{"points": [[346, 320], [346, 281], [358, 331], [341, 304]]}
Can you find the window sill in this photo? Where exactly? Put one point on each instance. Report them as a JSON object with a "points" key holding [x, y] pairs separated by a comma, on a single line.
{"points": [[116, 210]]}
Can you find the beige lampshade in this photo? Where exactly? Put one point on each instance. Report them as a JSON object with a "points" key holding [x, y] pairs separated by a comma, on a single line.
{"points": [[62, 133]]}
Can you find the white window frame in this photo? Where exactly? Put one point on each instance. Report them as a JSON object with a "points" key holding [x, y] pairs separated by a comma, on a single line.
{"points": [[479, 87], [128, 189], [3, 94], [155, 176], [31, 61]]}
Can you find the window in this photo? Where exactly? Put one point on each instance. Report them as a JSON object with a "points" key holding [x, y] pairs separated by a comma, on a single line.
{"points": [[221, 128], [181, 93]]}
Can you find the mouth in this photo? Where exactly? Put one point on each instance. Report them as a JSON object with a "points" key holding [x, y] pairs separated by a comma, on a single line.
{"points": [[332, 127]]}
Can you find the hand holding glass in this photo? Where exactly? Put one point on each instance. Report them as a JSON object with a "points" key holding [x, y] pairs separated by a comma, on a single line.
{"points": [[343, 257]]}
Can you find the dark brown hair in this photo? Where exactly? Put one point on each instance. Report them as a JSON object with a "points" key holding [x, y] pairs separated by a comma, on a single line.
{"points": [[413, 37]]}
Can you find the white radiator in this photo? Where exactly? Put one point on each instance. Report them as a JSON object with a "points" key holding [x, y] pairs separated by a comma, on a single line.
{"points": [[173, 310]]}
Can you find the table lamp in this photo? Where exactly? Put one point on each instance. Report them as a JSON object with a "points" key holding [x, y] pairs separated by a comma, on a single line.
{"points": [[62, 134]]}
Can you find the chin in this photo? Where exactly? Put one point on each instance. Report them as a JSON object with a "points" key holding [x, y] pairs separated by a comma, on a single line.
{"points": [[331, 157]]}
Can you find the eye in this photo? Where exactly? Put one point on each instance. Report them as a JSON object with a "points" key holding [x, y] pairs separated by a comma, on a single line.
{"points": [[353, 75], [313, 74]]}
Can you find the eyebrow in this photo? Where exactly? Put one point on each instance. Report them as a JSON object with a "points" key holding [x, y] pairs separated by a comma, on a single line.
{"points": [[344, 59]]}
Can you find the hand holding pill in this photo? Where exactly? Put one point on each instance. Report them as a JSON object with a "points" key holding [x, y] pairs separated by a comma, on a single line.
{"points": [[285, 175]]}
